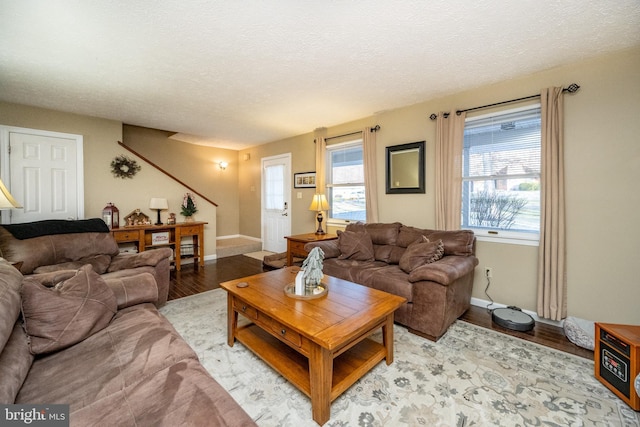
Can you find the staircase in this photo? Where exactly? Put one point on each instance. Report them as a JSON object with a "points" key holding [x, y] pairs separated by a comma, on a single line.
{"points": [[236, 246]]}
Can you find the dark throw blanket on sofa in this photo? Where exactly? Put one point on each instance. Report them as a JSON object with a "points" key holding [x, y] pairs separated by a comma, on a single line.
{"points": [[48, 227]]}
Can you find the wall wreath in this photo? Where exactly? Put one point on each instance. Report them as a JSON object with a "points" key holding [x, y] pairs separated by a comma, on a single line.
{"points": [[124, 167]]}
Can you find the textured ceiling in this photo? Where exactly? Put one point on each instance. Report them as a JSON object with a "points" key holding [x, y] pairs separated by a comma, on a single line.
{"points": [[241, 73]]}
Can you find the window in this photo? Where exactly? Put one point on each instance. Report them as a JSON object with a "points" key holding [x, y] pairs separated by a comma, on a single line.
{"points": [[274, 187], [345, 182], [501, 175]]}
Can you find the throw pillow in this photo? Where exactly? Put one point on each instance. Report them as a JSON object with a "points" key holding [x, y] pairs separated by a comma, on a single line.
{"points": [[421, 253], [73, 310], [356, 246]]}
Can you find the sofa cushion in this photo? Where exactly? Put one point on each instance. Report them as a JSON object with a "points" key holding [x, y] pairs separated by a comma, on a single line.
{"points": [[100, 263], [444, 271], [141, 259], [133, 289], [138, 343], [391, 279], [15, 362], [355, 246], [71, 311], [421, 253], [456, 242], [183, 394], [53, 278], [10, 283], [381, 233]]}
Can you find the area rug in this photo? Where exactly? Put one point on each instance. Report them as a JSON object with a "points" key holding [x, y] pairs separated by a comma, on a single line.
{"points": [[259, 255], [471, 377]]}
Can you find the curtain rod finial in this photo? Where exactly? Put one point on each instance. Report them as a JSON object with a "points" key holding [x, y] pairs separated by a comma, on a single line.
{"points": [[572, 88]]}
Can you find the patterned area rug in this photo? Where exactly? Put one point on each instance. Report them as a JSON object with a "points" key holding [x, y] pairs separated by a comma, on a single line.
{"points": [[471, 377]]}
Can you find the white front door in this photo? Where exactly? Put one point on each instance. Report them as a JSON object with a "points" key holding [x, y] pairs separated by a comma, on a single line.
{"points": [[44, 174], [276, 202]]}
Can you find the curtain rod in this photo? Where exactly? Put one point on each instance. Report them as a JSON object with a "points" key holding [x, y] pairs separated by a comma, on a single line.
{"points": [[572, 88], [373, 129]]}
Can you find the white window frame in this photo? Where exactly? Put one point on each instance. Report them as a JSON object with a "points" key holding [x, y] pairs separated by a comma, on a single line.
{"points": [[503, 236], [338, 222]]}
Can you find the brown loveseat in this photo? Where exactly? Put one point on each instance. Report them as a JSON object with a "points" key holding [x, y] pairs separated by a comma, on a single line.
{"points": [[101, 346], [432, 269], [52, 245]]}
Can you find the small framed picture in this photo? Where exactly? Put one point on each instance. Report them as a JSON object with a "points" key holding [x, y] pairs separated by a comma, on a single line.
{"points": [[304, 180], [160, 238]]}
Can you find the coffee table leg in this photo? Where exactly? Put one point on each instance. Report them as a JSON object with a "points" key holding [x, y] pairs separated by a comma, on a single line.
{"points": [[387, 338], [232, 321], [321, 375]]}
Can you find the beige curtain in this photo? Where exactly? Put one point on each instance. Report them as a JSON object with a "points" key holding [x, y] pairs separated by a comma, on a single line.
{"points": [[370, 174], [552, 280], [449, 137], [321, 150]]}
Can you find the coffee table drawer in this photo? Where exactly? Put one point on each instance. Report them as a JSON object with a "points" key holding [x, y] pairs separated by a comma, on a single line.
{"points": [[245, 309], [280, 330]]}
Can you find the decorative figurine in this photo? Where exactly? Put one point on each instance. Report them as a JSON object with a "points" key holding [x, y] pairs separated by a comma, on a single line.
{"points": [[312, 267]]}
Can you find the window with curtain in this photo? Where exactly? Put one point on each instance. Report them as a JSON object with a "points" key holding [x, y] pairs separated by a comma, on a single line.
{"points": [[501, 175], [273, 187], [345, 182]]}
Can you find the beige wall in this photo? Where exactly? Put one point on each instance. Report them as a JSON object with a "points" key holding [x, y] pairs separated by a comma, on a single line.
{"points": [[602, 158], [100, 147], [602, 164], [195, 165]]}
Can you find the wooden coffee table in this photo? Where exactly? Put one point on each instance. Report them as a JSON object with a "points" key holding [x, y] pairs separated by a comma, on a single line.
{"points": [[321, 345]]}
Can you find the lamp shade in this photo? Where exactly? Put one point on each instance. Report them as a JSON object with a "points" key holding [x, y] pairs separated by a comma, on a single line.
{"points": [[158, 203], [319, 203], [6, 199]]}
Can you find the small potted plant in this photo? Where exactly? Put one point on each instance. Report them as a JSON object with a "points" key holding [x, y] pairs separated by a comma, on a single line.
{"points": [[188, 207]]}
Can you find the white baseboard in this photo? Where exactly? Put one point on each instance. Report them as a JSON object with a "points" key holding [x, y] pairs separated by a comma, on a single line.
{"points": [[484, 303], [237, 236]]}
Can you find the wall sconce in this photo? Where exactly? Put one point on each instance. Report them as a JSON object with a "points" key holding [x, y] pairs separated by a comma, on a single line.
{"points": [[223, 165]]}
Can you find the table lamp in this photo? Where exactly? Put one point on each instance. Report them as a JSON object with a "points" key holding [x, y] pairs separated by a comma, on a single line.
{"points": [[6, 199], [319, 203], [158, 204]]}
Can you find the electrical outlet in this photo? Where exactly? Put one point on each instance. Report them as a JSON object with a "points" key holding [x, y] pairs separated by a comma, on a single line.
{"points": [[488, 272]]}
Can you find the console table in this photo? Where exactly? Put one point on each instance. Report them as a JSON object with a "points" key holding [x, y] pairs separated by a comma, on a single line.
{"points": [[155, 236]]}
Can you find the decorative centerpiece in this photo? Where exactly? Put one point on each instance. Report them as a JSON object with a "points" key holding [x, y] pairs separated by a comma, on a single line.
{"points": [[188, 207], [308, 282]]}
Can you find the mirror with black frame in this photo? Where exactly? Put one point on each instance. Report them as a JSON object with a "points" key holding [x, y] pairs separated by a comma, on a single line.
{"points": [[405, 168]]}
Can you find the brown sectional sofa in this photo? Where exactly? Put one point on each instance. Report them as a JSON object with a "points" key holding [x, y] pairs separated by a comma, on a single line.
{"points": [[432, 269], [99, 344]]}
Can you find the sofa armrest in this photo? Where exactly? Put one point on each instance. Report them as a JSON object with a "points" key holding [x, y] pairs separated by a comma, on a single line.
{"points": [[147, 258], [132, 290], [446, 270], [329, 247]]}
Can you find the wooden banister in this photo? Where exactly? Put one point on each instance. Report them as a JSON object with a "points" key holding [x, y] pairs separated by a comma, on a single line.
{"points": [[165, 172]]}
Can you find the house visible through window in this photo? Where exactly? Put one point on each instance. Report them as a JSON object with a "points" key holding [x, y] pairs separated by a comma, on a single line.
{"points": [[345, 182], [501, 174]]}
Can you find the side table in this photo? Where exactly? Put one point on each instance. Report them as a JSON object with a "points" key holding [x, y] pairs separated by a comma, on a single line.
{"points": [[295, 244]]}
